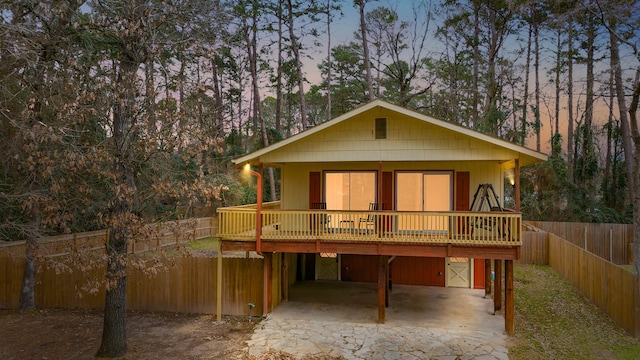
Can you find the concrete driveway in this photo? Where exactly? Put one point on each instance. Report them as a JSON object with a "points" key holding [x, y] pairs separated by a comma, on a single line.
{"points": [[339, 319]]}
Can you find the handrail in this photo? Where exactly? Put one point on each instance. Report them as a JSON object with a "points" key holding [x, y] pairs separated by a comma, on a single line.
{"points": [[455, 227], [265, 205]]}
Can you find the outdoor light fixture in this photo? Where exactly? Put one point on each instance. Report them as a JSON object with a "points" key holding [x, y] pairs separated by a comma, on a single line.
{"points": [[258, 175]]}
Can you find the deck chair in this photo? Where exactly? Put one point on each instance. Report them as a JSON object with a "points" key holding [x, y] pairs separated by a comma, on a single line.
{"points": [[370, 219], [321, 220]]}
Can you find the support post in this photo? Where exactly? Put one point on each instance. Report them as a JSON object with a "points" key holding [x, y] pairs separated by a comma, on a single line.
{"points": [[219, 283], [637, 307], [516, 175], [487, 278], [382, 286], [509, 310], [497, 295], [387, 285], [266, 284], [285, 277], [378, 221], [258, 176]]}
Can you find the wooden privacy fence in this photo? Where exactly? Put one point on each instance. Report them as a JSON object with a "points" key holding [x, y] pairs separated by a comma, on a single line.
{"points": [[610, 287], [535, 248], [153, 236], [608, 241], [188, 285]]}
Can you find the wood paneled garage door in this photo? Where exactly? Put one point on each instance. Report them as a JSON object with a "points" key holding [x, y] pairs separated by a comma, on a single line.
{"points": [[405, 270]]}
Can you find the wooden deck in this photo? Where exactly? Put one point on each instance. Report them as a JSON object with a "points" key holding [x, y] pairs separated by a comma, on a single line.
{"points": [[374, 232]]}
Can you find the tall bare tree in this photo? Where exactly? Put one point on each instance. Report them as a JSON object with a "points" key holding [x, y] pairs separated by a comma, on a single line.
{"points": [[365, 47], [570, 119], [295, 48]]}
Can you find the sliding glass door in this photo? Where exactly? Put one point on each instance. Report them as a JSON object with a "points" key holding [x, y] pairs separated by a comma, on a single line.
{"points": [[350, 190], [423, 191]]}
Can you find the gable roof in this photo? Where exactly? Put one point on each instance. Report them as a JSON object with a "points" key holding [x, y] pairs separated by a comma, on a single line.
{"points": [[526, 156]]}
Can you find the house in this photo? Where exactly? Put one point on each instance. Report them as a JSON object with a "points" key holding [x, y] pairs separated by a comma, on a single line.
{"points": [[383, 194]]}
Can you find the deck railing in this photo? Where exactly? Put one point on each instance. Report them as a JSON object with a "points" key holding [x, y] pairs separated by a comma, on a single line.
{"points": [[480, 228]]}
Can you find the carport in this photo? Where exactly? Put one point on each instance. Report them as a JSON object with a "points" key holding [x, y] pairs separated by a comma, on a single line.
{"points": [[454, 308], [339, 319]]}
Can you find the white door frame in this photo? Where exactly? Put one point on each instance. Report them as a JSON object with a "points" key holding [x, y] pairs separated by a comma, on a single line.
{"points": [[451, 268]]}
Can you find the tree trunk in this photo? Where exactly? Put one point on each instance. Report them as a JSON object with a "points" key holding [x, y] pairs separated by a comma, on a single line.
{"points": [[556, 129], [296, 54], [570, 104], [114, 336], [624, 122], [150, 93], [365, 49], [635, 134], [536, 65], [114, 332], [523, 129], [279, 71], [27, 300], [476, 63], [588, 151], [217, 97], [489, 125], [328, 117], [608, 178], [252, 52]]}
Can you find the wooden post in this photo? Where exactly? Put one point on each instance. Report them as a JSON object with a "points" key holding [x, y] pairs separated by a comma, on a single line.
{"points": [[487, 278], [497, 295], [637, 307], [285, 277], [516, 179], [219, 283], [585, 239], [509, 305], [379, 186], [387, 284], [382, 287], [390, 288], [266, 284], [611, 245]]}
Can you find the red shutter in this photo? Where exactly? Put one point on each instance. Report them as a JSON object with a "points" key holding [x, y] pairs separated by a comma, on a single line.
{"points": [[315, 187], [387, 191], [462, 191]]}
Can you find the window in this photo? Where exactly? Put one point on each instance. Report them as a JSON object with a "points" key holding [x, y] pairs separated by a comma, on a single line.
{"points": [[328, 255], [381, 128], [350, 190]]}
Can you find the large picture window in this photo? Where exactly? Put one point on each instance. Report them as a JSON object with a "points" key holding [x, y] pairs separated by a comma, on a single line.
{"points": [[350, 190]]}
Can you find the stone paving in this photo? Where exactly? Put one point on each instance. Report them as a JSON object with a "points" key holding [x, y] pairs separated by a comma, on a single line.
{"points": [[339, 319], [375, 341]]}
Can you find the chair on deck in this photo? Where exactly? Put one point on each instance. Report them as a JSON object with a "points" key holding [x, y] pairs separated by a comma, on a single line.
{"points": [[321, 219], [370, 219]]}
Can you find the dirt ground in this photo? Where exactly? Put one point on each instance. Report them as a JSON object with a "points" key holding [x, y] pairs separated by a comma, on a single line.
{"points": [[64, 334]]}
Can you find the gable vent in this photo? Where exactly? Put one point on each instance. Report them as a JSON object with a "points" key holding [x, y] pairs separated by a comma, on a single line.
{"points": [[381, 128]]}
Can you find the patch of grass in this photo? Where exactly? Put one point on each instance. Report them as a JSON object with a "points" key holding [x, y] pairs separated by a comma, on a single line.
{"points": [[209, 243], [629, 268], [554, 321]]}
